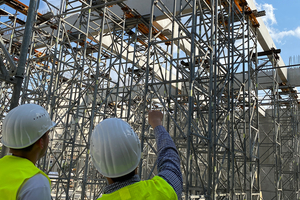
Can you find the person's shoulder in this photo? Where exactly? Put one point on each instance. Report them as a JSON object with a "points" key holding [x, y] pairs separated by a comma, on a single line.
{"points": [[37, 181], [37, 187], [40, 177]]}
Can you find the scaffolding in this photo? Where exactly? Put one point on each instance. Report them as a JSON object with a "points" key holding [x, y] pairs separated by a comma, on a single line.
{"points": [[195, 60], [279, 135]]}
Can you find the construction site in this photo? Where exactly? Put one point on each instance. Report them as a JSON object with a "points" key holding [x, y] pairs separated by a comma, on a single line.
{"points": [[229, 101]]}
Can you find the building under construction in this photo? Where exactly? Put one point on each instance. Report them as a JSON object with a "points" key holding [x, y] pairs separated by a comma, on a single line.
{"points": [[229, 102]]}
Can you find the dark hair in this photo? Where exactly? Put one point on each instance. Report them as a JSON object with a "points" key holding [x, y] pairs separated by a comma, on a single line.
{"points": [[29, 148], [124, 178]]}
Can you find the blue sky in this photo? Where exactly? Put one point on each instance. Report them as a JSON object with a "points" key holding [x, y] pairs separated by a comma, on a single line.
{"points": [[283, 22]]}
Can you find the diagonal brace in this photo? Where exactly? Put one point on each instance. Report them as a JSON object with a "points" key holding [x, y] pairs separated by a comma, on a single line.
{"points": [[12, 65]]}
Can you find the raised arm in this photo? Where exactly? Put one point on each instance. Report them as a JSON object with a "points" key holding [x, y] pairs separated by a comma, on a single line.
{"points": [[168, 161]]}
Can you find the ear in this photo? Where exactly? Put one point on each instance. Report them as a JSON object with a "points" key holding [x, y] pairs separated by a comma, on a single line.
{"points": [[109, 180], [40, 143]]}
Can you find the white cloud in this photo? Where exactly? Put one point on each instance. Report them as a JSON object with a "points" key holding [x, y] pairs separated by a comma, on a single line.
{"points": [[270, 16], [270, 21], [297, 32], [278, 36]]}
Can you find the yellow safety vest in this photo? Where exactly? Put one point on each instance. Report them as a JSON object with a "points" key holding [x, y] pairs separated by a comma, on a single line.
{"points": [[13, 172], [155, 188]]}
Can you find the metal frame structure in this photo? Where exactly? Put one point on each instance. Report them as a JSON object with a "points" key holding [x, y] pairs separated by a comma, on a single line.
{"points": [[221, 116], [196, 60], [279, 136]]}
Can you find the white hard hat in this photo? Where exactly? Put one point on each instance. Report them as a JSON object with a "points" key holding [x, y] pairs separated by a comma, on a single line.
{"points": [[24, 125], [115, 148]]}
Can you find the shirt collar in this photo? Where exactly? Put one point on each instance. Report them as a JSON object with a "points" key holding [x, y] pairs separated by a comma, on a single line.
{"points": [[118, 185]]}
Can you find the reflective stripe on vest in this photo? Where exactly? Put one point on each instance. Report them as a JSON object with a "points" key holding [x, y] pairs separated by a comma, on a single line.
{"points": [[155, 188], [13, 172]]}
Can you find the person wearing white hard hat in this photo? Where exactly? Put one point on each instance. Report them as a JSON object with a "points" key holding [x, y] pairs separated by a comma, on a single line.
{"points": [[116, 152], [25, 132]]}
